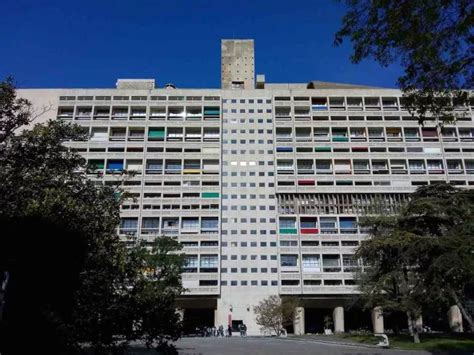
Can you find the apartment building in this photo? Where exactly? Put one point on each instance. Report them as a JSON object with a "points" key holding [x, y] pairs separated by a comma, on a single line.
{"points": [[263, 184]]}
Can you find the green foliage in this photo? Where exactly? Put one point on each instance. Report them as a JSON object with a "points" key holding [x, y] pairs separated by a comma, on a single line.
{"points": [[72, 282], [14, 112], [422, 256], [433, 42]]}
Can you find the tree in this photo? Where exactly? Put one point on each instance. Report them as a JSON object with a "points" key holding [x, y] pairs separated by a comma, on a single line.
{"points": [[432, 40], [421, 256], [14, 112], [71, 282], [273, 313], [156, 291]]}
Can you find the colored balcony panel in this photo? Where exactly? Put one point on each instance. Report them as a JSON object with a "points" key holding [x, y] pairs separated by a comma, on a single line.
{"points": [[340, 139], [210, 195], [96, 164], [306, 182], [288, 231], [156, 134], [284, 149], [309, 231], [115, 165], [360, 149]]}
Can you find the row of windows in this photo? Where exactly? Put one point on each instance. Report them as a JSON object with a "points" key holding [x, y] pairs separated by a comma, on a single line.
{"points": [[155, 149], [154, 166], [243, 110], [375, 166], [319, 263], [396, 183], [284, 150], [139, 98], [284, 116], [373, 134], [252, 283], [315, 225], [240, 207], [154, 134], [185, 183], [168, 225], [253, 256], [245, 196], [244, 270], [249, 101], [140, 113], [244, 121], [251, 231], [247, 141], [174, 207], [359, 102]]}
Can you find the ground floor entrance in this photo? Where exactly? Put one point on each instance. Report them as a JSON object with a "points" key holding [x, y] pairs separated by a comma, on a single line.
{"points": [[197, 314]]}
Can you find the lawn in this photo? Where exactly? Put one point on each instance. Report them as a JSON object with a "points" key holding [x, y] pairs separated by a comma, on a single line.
{"points": [[430, 342]]}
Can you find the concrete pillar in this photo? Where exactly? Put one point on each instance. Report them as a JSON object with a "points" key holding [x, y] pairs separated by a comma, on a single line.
{"points": [[455, 319], [377, 320], [338, 316], [298, 322]]}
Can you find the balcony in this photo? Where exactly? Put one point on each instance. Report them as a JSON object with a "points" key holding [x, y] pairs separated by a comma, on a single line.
{"points": [[212, 112], [120, 113], [157, 113], [337, 103], [319, 104]]}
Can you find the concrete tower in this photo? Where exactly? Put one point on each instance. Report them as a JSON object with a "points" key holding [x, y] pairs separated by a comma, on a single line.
{"points": [[237, 64]]}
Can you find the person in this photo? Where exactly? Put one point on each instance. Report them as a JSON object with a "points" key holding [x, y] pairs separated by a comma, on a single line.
{"points": [[244, 330], [220, 332], [229, 330]]}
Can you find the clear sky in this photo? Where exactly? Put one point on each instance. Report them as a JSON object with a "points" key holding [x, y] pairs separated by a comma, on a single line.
{"points": [[91, 43]]}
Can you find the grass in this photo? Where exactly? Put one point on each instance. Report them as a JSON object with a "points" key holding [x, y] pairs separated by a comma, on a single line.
{"points": [[429, 342]]}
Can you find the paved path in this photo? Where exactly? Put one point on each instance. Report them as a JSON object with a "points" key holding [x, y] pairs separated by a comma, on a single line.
{"points": [[275, 346]]}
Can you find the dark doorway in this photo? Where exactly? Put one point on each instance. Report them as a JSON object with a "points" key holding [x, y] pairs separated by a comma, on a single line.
{"points": [[197, 318], [235, 325], [356, 318], [395, 321], [314, 319]]}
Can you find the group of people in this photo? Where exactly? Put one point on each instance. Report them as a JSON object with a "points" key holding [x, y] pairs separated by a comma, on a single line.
{"points": [[219, 332]]}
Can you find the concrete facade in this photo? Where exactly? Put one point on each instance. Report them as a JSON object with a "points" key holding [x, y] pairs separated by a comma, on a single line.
{"points": [[263, 187]]}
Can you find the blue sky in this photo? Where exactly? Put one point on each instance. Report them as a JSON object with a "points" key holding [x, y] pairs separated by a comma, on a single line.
{"points": [[91, 43]]}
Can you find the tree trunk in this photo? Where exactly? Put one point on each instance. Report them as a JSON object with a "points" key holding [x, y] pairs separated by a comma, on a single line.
{"points": [[464, 313], [416, 336], [413, 328]]}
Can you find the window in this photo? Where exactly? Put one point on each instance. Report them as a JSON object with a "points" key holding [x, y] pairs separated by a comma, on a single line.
{"points": [[289, 260], [331, 263], [311, 263], [190, 263], [209, 263]]}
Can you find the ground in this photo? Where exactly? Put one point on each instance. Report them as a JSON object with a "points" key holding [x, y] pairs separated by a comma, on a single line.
{"points": [[276, 346]]}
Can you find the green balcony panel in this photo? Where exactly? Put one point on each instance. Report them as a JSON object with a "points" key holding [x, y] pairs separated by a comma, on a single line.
{"points": [[156, 133], [96, 164], [340, 139], [288, 231], [210, 195], [344, 182], [322, 149]]}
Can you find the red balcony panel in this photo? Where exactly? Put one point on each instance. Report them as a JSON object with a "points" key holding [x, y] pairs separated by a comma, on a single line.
{"points": [[360, 149], [306, 182], [309, 231]]}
